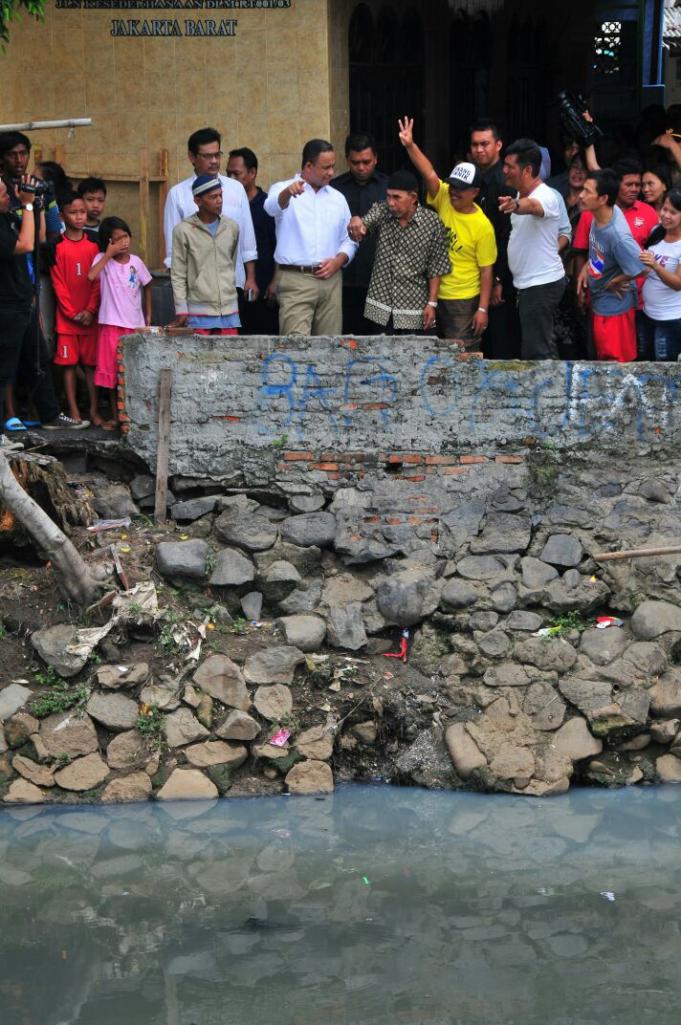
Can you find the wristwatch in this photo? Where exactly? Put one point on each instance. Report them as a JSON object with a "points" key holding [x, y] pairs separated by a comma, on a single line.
{"points": [[29, 207], [433, 303]]}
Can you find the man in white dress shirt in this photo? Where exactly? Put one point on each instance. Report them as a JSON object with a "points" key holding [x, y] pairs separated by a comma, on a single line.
{"points": [[205, 156], [313, 245]]}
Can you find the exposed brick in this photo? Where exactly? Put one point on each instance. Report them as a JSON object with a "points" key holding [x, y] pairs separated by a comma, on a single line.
{"points": [[469, 460], [298, 456], [375, 405], [441, 460], [393, 520], [414, 519], [416, 480], [325, 466], [229, 419], [395, 459], [509, 459], [451, 471], [333, 476], [372, 519], [411, 457]]}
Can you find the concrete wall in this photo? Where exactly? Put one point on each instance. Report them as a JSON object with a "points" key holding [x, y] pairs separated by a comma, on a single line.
{"points": [[321, 409]]}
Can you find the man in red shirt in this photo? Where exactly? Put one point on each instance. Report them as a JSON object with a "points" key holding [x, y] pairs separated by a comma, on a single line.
{"points": [[640, 217], [77, 304]]}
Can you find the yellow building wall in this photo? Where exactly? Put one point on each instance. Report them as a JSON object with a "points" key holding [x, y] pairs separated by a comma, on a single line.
{"points": [[267, 86]]}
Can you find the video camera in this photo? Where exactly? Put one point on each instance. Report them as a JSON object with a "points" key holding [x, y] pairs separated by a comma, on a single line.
{"points": [[38, 187], [571, 107]]}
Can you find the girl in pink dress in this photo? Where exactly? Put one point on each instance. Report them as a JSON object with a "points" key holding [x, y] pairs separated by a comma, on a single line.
{"points": [[125, 304]]}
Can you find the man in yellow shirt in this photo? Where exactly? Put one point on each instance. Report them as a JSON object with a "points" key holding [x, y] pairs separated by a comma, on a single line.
{"points": [[464, 295]]}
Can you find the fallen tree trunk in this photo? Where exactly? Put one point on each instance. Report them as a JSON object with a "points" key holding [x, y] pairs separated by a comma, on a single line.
{"points": [[73, 575]]}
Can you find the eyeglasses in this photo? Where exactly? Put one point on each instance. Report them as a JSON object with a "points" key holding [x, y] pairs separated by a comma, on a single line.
{"points": [[209, 156]]}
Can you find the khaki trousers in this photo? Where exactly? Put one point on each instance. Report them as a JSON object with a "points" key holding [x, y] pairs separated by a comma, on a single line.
{"points": [[310, 305]]}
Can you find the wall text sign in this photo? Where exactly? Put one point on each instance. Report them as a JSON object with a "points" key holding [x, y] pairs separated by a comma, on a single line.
{"points": [[172, 27]]}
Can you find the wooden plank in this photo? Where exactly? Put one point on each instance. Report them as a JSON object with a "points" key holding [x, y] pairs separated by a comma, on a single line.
{"points": [[163, 448], [144, 204], [606, 557], [163, 163], [109, 177]]}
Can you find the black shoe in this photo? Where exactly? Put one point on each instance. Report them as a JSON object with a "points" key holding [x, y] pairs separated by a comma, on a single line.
{"points": [[65, 423]]}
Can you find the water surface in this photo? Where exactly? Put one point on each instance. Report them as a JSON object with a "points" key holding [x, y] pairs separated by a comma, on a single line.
{"points": [[374, 906]]}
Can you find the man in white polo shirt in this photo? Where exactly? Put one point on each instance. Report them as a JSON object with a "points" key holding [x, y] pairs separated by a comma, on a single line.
{"points": [[313, 244], [205, 156], [533, 258]]}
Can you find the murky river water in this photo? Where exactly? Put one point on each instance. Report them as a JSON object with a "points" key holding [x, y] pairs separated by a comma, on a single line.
{"points": [[375, 906]]}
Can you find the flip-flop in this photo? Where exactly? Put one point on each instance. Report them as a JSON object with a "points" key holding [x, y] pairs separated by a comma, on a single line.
{"points": [[14, 424], [32, 423]]}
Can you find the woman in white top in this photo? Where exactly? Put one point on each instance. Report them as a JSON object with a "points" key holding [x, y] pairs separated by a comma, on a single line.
{"points": [[660, 322]]}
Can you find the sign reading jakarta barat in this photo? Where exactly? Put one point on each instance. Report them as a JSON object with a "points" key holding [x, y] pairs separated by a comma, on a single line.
{"points": [[140, 27]]}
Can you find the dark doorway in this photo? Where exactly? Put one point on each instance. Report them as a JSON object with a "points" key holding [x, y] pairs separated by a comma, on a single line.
{"points": [[387, 76], [529, 85], [470, 48]]}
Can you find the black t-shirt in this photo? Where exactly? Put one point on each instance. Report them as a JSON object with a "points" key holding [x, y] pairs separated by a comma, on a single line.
{"points": [[360, 199], [493, 187], [16, 289]]}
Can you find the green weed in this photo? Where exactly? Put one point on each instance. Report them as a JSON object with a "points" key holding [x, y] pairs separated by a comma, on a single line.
{"points": [[150, 725], [60, 697], [48, 677], [566, 622]]}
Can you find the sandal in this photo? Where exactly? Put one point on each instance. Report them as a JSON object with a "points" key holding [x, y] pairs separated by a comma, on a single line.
{"points": [[14, 424], [32, 423]]}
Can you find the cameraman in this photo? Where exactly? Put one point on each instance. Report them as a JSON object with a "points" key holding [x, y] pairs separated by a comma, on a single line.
{"points": [[22, 347]]}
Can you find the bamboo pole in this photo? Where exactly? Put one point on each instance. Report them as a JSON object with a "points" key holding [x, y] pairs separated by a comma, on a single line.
{"points": [[32, 126], [636, 553]]}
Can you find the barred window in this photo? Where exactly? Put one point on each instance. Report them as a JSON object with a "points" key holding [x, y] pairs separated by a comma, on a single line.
{"points": [[608, 49]]}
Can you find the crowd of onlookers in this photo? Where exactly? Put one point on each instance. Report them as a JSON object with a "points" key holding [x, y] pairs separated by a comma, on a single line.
{"points": [[499, 257]]}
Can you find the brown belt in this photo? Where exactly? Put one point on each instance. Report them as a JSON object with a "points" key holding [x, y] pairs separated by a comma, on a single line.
{"points": [[296, 267]]}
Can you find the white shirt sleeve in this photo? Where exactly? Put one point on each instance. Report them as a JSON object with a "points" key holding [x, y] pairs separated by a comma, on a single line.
{"points": [[345, 243], [271, 204], [247, 244], [172, 215], [550, 200]]}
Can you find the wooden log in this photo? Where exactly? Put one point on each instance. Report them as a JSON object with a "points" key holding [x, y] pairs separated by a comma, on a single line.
{"points": [[73, 576], [636, 553], [163, 447]]}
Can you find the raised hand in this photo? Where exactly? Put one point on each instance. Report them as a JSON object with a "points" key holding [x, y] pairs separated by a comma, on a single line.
{"points": [[406, 133]]}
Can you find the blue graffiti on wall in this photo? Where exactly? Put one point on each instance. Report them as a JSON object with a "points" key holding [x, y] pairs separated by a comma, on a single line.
{"points": [[586, 399]]}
